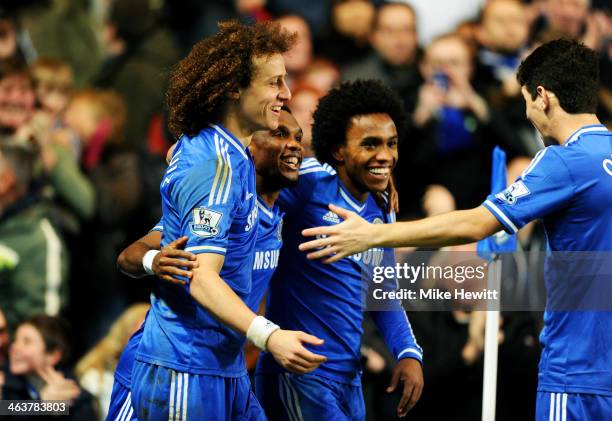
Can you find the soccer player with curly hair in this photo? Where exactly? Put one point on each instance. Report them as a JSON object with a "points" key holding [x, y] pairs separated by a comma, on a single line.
{"points": [[189, 363], [356, 131]]}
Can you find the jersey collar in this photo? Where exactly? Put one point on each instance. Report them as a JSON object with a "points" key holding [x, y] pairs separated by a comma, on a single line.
{"points": [[223, 132], [264, 208], [354, 203], [586, 129]]}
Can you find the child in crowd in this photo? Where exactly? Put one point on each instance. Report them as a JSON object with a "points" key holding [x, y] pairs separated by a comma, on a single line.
{"points": [[53, 83], [37, 359]]}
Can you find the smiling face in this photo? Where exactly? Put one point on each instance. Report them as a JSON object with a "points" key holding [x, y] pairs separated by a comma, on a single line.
{"points": [[16, 101], [278, 153], [260, 103], [28, 351], [366, 161]]}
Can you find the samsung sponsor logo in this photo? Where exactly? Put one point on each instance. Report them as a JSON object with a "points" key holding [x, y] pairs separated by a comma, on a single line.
{"points": [[267, 259]]}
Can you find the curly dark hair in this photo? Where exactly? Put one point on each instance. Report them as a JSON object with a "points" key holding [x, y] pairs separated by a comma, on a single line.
{"points": [[199, 84], [333, 115], [567, 68]]}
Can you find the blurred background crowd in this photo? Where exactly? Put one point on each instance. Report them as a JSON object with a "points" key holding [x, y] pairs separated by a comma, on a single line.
{"points": [[83, 141]]}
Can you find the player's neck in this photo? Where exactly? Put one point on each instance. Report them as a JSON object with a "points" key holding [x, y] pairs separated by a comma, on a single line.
{"points": [[563, 128], [356, 192], [269, 198], [239, 130], [268, 195]]}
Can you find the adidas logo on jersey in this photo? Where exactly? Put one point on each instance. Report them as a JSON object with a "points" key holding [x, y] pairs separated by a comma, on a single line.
{"points": [[331, 217]]}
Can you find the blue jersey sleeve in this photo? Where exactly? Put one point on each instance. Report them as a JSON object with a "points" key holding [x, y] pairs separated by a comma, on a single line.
{"points": [[546, 186], [397, 333], [393, 323], [207, 198], [159, 226]]}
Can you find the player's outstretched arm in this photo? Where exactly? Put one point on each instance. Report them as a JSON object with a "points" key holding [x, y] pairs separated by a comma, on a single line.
{"points": [[354, 234], [168, 263], [216, 296]]}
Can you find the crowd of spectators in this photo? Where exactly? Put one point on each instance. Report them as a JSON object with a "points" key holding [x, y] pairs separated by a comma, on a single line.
{"points": [[83, 140]]}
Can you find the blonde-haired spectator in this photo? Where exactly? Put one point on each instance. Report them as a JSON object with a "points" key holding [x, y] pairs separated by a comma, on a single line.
{"points": [[95, 370]]}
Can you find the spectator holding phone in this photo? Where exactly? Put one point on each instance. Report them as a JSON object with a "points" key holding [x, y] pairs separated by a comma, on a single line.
{"points": [[453, 129]]}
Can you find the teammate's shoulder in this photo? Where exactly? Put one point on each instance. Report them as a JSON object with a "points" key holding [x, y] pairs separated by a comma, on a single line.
{"points": [[215, 146], [587, 140], [313, 169]]}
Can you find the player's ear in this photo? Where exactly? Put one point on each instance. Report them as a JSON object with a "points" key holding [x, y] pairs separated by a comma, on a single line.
{"points": [[338, 155], [543, 98]]}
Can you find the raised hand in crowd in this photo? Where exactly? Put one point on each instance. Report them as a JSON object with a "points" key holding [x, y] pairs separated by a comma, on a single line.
{"points": [[474, 346], [57, 387], [598, 28], [431, 98], [461, 94]]}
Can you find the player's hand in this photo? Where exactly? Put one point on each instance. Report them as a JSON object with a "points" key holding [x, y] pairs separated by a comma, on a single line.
{"points": [[57, 387], [286, 346], [172, 261], [340, 240], [409, 371]]}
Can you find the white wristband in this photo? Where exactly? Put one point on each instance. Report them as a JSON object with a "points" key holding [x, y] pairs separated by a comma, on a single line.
{"points": [[147, 261], [260, 330]]}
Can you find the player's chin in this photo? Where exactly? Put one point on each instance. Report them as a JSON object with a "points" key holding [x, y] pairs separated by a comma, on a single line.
{"points": [[272, 119], [289, 178], [378, 186]]}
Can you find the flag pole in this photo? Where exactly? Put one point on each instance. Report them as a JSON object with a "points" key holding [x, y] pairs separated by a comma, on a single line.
{"points": [[491, 344]]}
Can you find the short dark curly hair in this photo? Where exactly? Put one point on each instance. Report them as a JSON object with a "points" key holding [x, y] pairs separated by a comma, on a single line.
{"points": [[567, 68], [199, 84], [332, 118]]}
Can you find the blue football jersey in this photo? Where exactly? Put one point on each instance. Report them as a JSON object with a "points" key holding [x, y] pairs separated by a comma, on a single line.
{"points": [[328, 300], [208, 194], [267, 252], [569, 187]]}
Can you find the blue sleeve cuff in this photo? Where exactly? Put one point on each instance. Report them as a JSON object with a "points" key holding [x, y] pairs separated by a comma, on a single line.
{"points": [[411, 352], [509, 226]]}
